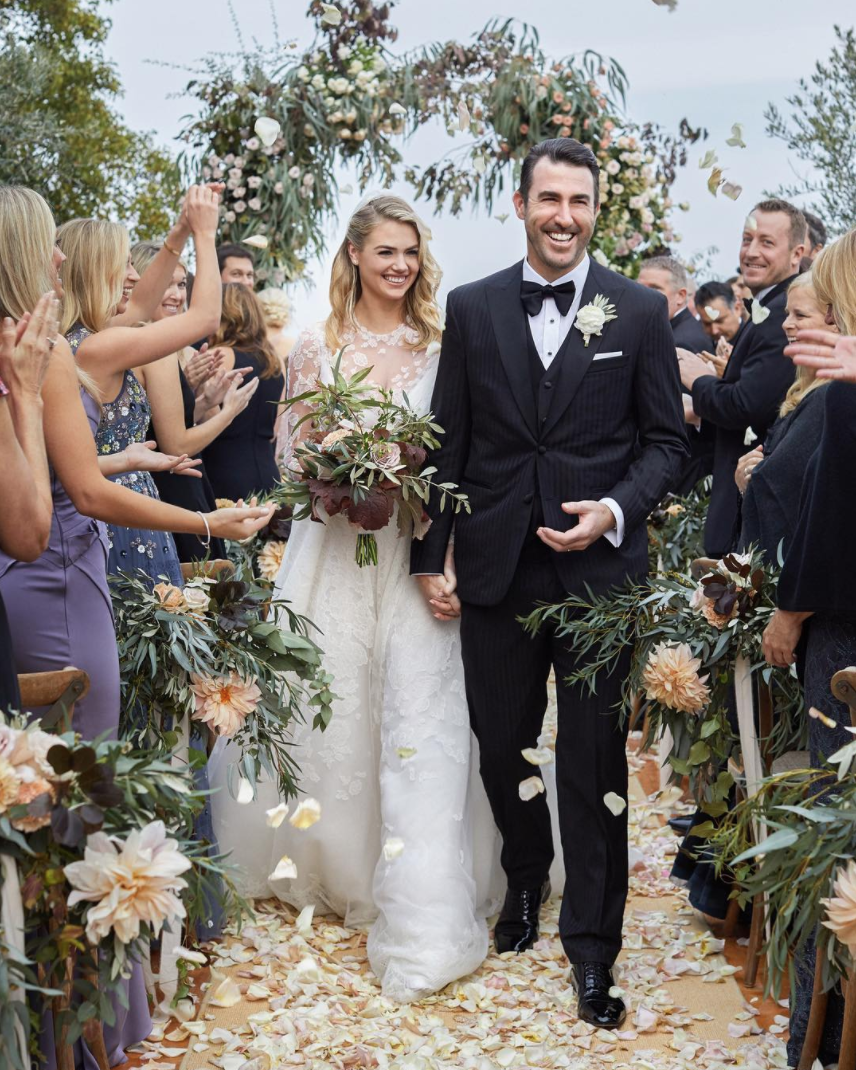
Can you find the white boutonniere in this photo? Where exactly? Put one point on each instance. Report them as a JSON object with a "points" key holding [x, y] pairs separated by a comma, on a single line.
{"points": [[749, 437], [591, 318], [759, 312]]}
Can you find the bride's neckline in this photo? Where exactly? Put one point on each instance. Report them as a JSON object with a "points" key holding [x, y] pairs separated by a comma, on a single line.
{"points": [[400, 329]]}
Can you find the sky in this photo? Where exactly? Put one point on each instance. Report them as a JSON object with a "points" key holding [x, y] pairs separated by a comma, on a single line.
{"points": [[716, 63]]}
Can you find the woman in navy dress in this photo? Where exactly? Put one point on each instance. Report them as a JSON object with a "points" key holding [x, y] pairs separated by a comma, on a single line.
{"points": [[106, 321], [240, 462]]}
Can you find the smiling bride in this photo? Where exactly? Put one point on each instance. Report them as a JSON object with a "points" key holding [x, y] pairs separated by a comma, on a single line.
{"points": [[406, 842]]}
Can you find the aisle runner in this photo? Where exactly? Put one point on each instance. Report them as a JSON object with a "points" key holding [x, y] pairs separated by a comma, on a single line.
{"points": [[310, 1000]]}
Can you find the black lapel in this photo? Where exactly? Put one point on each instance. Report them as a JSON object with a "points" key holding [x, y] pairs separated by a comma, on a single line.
{"points": [[510, 328], [779, 288], [578, 355]]}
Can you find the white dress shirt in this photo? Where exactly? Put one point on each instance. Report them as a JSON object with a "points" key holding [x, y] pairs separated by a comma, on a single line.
{"points": [[549, 330]]}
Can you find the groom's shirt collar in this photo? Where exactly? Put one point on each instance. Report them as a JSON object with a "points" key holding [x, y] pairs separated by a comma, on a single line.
{"points": [[579, 275]]}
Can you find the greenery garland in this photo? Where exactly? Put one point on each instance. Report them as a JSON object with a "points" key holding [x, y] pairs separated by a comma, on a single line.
{"points": [[349, 100]]}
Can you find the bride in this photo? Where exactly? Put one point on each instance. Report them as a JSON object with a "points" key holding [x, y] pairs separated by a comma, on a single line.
{"points": [[406, 842]]}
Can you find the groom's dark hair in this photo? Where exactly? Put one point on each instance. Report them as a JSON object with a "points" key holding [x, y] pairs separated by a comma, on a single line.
{"points": [[560, 150]]}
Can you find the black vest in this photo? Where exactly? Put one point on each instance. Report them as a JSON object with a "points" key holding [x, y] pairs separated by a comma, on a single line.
{"points": [[544, 384]]}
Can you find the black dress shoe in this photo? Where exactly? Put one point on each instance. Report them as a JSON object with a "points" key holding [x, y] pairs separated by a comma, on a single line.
{"points": [[681, 824], [592, 982], [517, 925]]}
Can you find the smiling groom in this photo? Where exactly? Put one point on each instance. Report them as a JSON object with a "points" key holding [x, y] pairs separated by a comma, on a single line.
{"points": [[558, 390]]}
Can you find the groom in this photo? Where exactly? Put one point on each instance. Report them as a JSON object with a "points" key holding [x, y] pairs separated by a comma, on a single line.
{"points": [[565, 432]]}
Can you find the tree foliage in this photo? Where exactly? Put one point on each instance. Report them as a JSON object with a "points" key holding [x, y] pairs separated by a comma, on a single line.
{"points": [[821, 130], [60, 131]]}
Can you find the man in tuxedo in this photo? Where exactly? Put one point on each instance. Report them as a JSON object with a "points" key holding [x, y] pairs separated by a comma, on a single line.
{"points": [[564, 440], [668, 276], [758, 375], [721, 314]]}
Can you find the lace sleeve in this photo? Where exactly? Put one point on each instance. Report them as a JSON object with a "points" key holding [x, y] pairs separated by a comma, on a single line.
{"points": [[305, 367]]}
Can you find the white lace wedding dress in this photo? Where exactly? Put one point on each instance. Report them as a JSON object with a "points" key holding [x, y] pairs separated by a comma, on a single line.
{"points": [[397, 762]]}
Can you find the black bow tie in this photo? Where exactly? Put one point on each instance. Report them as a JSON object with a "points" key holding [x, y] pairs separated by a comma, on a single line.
{"points": [[747, 304], [532, 295]]}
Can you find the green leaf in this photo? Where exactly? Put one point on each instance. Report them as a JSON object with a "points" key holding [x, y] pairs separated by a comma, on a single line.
{"points": [[777, 842], [699, 753]]}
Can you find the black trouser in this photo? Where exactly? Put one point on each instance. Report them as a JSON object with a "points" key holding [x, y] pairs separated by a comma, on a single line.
{"points": [[506, 678]]}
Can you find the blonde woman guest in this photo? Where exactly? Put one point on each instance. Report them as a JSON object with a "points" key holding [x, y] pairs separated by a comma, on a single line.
{"points": [[276, 307], [100, 283], [815, 623], [181, 422], [394, 764], [60, 601], [771, 478], [240, 461]]}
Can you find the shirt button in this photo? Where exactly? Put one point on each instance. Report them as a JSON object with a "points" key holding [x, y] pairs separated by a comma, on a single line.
{"points": [[542, 449], [548, 385], [549, 352], [528, 499], [552, 321]]}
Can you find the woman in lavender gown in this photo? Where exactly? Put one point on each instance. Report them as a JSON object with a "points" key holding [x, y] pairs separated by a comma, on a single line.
{"points": [[60, 601]]}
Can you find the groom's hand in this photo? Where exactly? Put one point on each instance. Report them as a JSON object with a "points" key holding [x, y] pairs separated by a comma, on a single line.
{"points": [[595, 520], [439, 595]]}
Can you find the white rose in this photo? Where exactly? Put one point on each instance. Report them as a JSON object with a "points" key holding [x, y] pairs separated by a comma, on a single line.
{"points": [[318, 81], [229, 217], [278, 188], [255, 204], [213, 159], [360, 135], [230, 159], [590, 319], [613, 167], [303, 74], [617, 188], [345, 134], [240, 206], [355, 67], [217, 173], [236, 172], [636, 203], [196, 598], [294, 172], [647, 216], [308, 179], [239, 161], [238, 192], [253, 144], [254, 181], [343, 52]]}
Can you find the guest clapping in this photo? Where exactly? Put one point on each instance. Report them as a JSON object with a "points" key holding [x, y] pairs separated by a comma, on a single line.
{"points": [[722, 318], [755, 383], [241, 460]]}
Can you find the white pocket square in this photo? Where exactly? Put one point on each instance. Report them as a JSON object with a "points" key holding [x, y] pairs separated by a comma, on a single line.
{"points": [[606, 356]]}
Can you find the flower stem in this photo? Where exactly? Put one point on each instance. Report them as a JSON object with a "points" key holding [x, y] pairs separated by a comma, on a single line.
{"points": [[366, 550]]}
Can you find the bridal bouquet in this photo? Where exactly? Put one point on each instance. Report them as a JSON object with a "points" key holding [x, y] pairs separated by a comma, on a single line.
{"points": [[363, 455]]}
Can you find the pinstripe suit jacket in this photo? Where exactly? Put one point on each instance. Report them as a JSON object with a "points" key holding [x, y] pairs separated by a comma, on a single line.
{"points": [[615, 429]]}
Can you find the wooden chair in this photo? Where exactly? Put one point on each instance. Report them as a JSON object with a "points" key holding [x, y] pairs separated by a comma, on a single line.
{"points": [[218, 568], [844, 688], [58, 690]]}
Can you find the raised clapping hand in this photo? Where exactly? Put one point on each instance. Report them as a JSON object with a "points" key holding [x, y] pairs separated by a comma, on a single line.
{"points": [[595, 519], [746, 466], [201, 367], [202, 210], [25, 347], [241, 521], [832, 355], [144, 457]]}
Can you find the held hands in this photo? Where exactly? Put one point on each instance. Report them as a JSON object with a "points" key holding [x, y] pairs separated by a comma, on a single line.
{"points": [[781, 637], [439, 591], [240, 522], [833, 355], [144, 457], [595, 519], [25, 347], [746, 466]]}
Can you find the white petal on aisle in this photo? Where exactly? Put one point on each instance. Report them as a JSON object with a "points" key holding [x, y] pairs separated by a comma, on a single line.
{"points": [[325, 1008]]}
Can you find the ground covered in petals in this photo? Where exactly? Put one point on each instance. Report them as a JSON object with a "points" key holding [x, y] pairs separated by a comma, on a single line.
{"points": [[288, 992]]}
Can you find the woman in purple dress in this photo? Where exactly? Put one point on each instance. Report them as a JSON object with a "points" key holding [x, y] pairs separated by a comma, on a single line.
{"points": [[60, 601]]}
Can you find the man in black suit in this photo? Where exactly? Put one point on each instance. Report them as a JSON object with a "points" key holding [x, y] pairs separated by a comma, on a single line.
{"points": [[668, 276], [565, 428], [747, 397]]}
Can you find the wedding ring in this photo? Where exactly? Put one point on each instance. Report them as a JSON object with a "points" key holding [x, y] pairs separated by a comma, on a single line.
{"points": [[51, 343]]}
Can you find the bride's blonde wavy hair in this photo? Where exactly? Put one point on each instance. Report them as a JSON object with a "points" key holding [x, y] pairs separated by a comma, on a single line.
{"points": [[420, 302]]}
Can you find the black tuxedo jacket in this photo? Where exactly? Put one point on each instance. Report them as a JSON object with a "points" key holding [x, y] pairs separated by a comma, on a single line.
{"points": [[615, 429], [689, 333], [749, 394]]}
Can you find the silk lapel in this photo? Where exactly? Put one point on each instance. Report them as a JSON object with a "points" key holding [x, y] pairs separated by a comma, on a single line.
{"points": [[510, 328], [578, 355]]}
